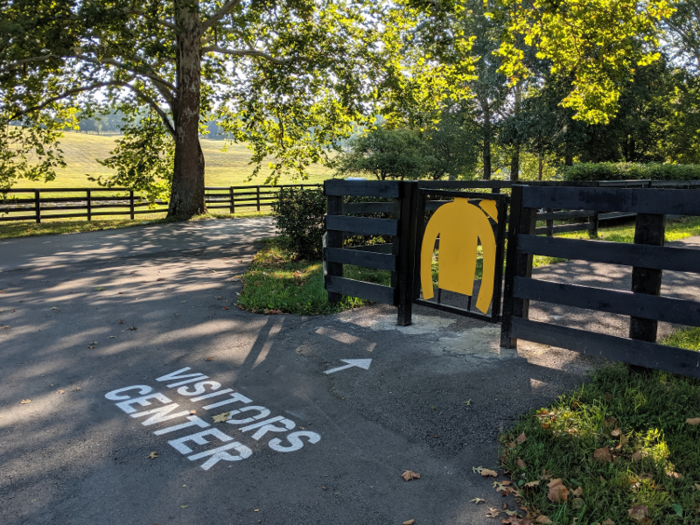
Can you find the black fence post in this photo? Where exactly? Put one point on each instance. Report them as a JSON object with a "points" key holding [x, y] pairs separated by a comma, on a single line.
{"points": [[550, 224], [650, 229], [408, 192], [37, 205], [258, 196], [522, 222], [595, 225], [232, 206], [334, 239], [419, 221], [131, 203], [89, 206]]}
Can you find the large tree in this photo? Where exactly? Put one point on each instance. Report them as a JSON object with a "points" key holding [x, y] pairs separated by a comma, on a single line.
{"points": [[287, 77]]}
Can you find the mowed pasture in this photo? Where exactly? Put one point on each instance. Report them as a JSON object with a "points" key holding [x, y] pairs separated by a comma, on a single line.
{"points": [[223, 168]]}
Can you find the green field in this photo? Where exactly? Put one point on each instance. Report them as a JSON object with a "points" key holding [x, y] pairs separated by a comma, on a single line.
{"points": [[223, 168]]}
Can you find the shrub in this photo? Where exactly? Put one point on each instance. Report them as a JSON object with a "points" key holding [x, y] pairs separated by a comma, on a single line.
{"points": [[585, 172], [299, 215]]}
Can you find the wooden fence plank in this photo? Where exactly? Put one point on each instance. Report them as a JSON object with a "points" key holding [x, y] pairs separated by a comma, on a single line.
{"points": [[638, 353], [353, 288], [666, 309], [366, 259], [386, 247], [362, 225], [659, 257], [562, 215], [662, 202], [368, 207], [339, 188]]}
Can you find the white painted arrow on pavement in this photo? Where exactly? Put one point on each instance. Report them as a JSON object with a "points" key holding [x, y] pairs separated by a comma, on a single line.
{"points": [[359, 363]]}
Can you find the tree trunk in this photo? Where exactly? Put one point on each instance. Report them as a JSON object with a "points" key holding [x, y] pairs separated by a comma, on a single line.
{"points": [[487, 138], [515, 157], [515, 163], [568, 159], [539, 165], [187, 198]]}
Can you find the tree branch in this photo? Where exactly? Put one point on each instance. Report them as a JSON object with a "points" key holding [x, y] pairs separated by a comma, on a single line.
{"points": [[97, 85], [225, 9], [245, 53], [18, 63]]}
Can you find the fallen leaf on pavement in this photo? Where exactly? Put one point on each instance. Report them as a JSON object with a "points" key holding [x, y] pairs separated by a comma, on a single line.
{"points": [[153, 455], [193, 411], [409, 522], [557, 491], [76, 389], [160, 279], [220, 418], [521, 438], [133, 328], [209, 359], [25, 401], [493, 513], [602, 454], [476, 501], [225, 308], [693, 421], [487, 472], [409, 475], [4, 327], [61, 391], [638, 513], [121, 321]]}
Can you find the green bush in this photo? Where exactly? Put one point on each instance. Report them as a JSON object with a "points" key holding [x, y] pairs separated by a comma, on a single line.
{"points": [[299, 215], [585, 172]]}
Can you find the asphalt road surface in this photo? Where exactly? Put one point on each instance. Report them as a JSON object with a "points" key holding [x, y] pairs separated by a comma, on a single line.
{"points": [[119, 349]]}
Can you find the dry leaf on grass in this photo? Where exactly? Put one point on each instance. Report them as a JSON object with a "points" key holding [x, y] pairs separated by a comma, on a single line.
{"points": [[152, 455], [543, 519], [521, 463], [675, 475], [521, 438], [408, 475], [488, 472], [693, 421], [608, 522], [557, 491], [409, 522], [220, 418], [602, 454], [637, 456], [493, 513], [638, 513], [531, 484], [546, 475], [578, 492], [616, 432]]}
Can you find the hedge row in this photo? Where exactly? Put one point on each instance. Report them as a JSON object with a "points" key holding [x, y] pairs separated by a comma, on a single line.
{"points": [[629, 171]]}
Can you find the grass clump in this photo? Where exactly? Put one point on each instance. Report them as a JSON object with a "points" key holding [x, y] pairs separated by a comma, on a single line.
{"points": [[627, 440], [277, 282]]}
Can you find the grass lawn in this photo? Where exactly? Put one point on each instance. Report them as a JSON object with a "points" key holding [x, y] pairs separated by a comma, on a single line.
{"points": [[276, 283], [12, 230], [223, 168], [626, 447]]}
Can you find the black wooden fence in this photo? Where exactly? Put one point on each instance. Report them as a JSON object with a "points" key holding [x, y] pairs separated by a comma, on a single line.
{"points": [[647, 256], [69, 203]]}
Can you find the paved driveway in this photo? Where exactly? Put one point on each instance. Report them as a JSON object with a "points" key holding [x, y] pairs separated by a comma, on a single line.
{"points": [[122, 346]]}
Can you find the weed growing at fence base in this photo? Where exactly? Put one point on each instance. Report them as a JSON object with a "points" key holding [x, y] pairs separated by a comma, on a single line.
{"points": [[276, 283], [624, 439]]}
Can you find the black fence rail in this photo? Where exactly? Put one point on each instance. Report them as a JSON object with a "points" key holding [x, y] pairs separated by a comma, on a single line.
{"points": [[42, 204], [647, 257]]}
